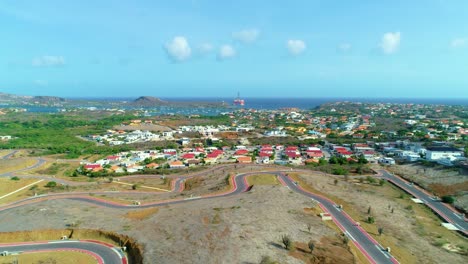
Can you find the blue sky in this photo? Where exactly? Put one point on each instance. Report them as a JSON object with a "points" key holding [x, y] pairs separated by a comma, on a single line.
{"points": [[202, 48]]}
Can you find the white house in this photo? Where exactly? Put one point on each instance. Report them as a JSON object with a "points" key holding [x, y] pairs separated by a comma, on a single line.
{"points": [[5, 137], [388, 161], [436, 153]]}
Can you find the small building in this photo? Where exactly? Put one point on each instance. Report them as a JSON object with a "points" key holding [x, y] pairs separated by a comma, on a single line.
{"points": [[443, 152], [244, 159], [240, 152], [187, 156], [192, 162], [92, 167], [387, 161], [176, 164], [152, 165]]}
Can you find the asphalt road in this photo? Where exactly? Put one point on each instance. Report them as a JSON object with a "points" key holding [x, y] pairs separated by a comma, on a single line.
{"points": [[369, 247], [9, 155], [443, 210], [106, 253], [39, 163]]}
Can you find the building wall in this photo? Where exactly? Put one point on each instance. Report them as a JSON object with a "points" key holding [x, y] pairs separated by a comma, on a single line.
{"points": [[436, 155]]}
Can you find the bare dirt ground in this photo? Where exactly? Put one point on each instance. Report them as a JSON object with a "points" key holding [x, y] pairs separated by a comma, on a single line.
{"points": [[238, 229], [246, 227], [412, 230], [440, 180]]}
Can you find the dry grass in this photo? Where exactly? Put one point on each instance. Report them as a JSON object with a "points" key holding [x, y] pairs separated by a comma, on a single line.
{"points": [[44, 235], [141, 214], [26, 193], [193, 183], [4, 152], [7, 185], [327, 250], [449, 189], [69, 257], [11, 165], [262, 179]]}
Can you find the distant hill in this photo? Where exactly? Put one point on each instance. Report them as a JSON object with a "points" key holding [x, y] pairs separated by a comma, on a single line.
{"points": [[142, 101], [19, 99], [47, 99], [149, 101]]}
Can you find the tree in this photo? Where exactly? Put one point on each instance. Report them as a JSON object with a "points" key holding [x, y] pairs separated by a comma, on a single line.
{"points": [[369, 210], [51, 184], [286, 242], [15, 178], [110, 179], [311, 246], [333, 160], [380, 230], [134, 186], [370, 219], [448, 199], [335, 182], [362, 160]]}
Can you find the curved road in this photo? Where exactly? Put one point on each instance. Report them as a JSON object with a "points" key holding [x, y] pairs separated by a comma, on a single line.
{"points": [[104, 253], [366, 244], [9, 155], [443, 210]]}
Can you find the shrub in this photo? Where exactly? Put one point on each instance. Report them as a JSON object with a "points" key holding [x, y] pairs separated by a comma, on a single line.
{"points": [[381, 182], [51, 184], [380, 230], [340, 171], [267, 260], [448, 199], [370, 179], [15, 178], [286, 242], [311, 246], [370, 219]]}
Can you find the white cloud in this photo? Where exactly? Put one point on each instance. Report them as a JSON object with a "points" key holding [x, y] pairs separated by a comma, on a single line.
{"points": [[459, 42], [178, 49], [296, 46], [246, 35], [48, 61], [226, 52], [205, 48], [344, 47], [390, 42]]}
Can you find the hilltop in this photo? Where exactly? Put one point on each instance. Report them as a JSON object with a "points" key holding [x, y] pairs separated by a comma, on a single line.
{"points": [[142, 101], [25, 99], [149, 101]]}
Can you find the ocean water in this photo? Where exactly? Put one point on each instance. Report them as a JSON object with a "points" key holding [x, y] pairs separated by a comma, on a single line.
{"points": [[302, 103], [253, 103]]}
